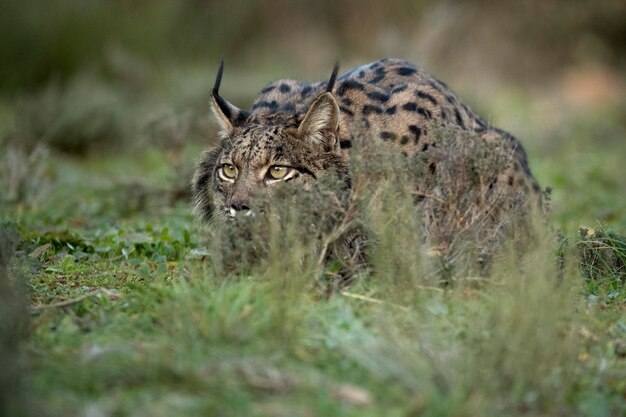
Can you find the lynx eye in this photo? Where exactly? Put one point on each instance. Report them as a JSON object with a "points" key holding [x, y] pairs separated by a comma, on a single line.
{"points": [[278, 172], [229, 171]]}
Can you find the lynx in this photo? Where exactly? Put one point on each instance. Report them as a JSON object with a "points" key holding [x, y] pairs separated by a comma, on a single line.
{"points": [[296, 131]]}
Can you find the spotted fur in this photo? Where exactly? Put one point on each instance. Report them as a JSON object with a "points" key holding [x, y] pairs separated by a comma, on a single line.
{"points": [[308, 127]]}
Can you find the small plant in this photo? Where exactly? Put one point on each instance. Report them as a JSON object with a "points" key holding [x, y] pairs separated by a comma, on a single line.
{"points": [[602, 255]]}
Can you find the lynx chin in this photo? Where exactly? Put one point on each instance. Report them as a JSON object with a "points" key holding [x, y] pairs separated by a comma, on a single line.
{"points": [[296, 131]]}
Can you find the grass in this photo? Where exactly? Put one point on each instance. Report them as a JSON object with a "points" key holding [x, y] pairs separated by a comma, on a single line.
{"points": [[134, 309]]}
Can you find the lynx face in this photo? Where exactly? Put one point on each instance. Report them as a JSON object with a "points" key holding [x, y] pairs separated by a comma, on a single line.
{"points": [[256, 154]]}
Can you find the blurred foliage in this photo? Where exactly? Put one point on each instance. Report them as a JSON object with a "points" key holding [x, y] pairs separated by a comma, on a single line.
{"points": [[14, 329], [44, 43], [86, 114], [88, 75]]}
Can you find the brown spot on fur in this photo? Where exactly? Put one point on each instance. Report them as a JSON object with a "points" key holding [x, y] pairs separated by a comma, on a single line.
{"points": [[376, 79], [306, 90], [346, 110], [399, 89], [536, 188], [424, 95], [424, 112], [348, 85], [378, 96], [388, 136], [368, 108], [410, 106], [406, 71], [417, 132]]}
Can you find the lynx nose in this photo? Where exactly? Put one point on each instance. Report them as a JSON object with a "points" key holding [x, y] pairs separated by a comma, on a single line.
{"points": [[239, 205]]}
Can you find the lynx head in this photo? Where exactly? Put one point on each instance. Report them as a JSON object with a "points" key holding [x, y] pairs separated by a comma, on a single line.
{"points": [[258, 152]]}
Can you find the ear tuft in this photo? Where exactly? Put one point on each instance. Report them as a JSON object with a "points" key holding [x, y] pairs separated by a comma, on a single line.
{"points": [[321, 120], [227, 115], [332, 79]]}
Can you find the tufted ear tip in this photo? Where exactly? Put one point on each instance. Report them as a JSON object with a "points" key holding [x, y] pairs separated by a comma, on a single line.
{"points": [[332, 79], [227, 114]]}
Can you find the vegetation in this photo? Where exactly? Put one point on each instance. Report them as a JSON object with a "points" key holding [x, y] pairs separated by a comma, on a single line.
{"points": [[115, 301], [136, 310]]}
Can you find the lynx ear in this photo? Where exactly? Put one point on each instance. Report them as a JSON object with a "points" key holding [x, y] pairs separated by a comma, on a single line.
{"points": [[321, 122], [228, 115]]}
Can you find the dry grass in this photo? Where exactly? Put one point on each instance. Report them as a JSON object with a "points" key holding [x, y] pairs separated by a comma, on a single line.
{"points": [[397, 211]]}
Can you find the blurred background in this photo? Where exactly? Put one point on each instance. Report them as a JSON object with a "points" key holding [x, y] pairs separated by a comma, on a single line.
{"points": [[85, 84]]}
